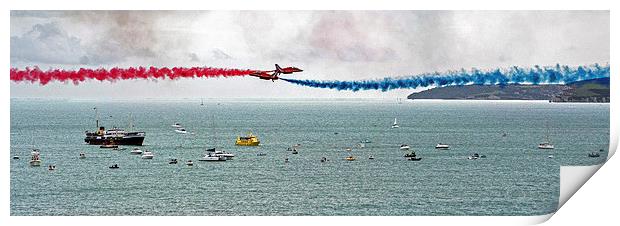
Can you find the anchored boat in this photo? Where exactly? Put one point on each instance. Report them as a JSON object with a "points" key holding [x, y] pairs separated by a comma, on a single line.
{"points": [[35, 158], [249, 140], [115, 135]]}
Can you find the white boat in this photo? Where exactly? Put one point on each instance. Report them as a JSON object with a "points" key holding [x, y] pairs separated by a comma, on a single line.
{"points": [[228, 156], [395, 125], [147, 155], [442, 146], [82, 155], [550, 156], [211, 156], [371, 157], [35, 158], [547, 144], [190, 163], [136, 151], [180, 130], [404, 147], [177, 125]]}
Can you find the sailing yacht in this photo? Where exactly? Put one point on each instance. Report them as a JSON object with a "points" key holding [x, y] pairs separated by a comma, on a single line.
{"points": [[395, 125]]}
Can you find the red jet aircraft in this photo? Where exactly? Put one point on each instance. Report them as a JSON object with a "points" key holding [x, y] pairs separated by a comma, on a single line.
{"points": [[286, 70], [274, 74]]}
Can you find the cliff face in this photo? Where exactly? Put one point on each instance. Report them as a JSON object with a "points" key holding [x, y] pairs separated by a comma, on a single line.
{"points": [[596, 90]]}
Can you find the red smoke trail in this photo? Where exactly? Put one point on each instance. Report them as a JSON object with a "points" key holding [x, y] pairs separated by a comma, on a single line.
{"points": [[35, 74]]}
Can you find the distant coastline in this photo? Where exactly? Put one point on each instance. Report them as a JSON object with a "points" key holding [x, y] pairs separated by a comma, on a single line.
{"points": [[587, 91]]}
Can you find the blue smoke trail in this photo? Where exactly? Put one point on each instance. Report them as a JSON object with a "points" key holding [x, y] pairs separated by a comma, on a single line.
{"points": [[514, 75]]}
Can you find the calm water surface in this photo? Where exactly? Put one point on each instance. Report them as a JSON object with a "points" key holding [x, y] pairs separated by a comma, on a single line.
{"points": [[515, 179]]}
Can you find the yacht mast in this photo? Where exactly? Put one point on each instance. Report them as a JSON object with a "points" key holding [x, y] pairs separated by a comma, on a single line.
{"points": [[96, 116]]}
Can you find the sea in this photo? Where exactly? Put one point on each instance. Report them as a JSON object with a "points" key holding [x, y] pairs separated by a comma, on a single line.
{"points": [[515, 178]]}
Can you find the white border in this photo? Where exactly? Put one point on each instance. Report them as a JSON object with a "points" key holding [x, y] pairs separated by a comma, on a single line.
{"points": [[584, 207]]}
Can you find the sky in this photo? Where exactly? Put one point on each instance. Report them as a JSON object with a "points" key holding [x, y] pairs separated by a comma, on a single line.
{"points": [[327, 45]]}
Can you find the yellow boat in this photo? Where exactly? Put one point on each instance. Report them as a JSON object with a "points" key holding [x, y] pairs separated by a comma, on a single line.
{"points": [[249, 140], [350, 158]]}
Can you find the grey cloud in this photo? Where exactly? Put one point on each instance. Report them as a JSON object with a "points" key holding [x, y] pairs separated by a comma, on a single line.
{"points": [[193, 57], [220, 55], [346, 36], [47, 43]]}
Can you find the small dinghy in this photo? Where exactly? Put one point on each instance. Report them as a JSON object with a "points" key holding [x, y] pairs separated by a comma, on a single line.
{"points": [[136, 151], [442, 146], [147, 155], [190, 163], [115, 166], [172, 161]]}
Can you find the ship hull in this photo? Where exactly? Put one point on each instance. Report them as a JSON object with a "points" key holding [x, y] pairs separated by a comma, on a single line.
{"points": [[115, 140]]}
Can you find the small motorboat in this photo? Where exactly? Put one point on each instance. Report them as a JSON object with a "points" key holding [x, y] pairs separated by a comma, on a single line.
{"points": [[15, 157], [474, 156], [323, 159], [601, 150], [366, 141], [51, 167], [404, 147], [228, 156], [190, 163], [136, 151], [594, 154], [113, 146], [177, 125], [546, 145], [180, 130], [442, 146], [371, 157], [82, 155], [414, 159], [361, 145], [261, 154], [35, 158], [119, 148], [147, 155], [550, 156], [211, 156], [286, 160], [350, 158], [348, 149], [409, 155], [172, 161], [294, 151], [115, 166]]}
